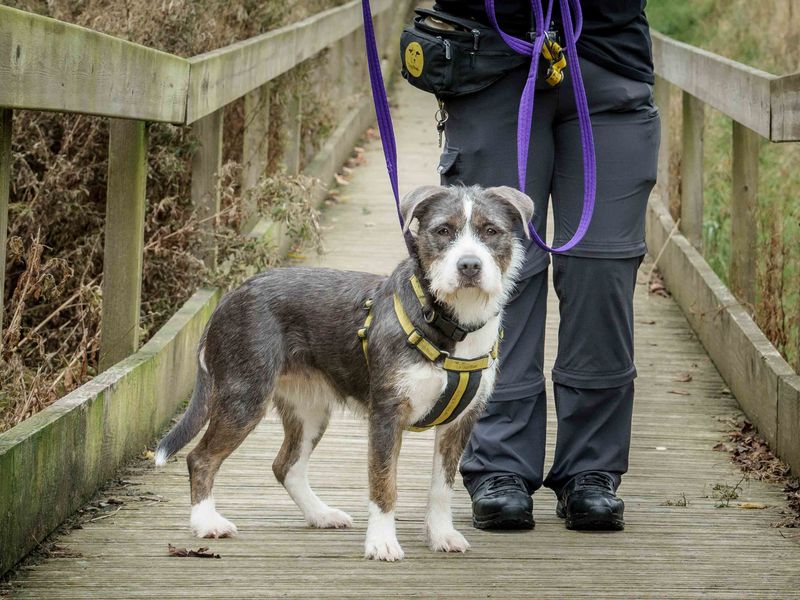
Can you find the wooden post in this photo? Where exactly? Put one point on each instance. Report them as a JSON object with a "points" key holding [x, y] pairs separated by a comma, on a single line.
{"points": [[5, 184], [292, 149], [692, 170], [662, 96], [124, 240], [256, 144], [744, 230], [206, 165]]}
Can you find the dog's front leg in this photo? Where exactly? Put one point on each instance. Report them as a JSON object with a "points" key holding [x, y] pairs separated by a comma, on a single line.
{"points": [[385, 437], [450, 442]]}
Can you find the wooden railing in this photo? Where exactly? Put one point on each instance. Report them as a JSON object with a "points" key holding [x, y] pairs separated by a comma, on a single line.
{"points": [[54, 66], [761, 106]]}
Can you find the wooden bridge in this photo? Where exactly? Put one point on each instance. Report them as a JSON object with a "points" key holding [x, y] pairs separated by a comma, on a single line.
{"points": [[679, 542]]}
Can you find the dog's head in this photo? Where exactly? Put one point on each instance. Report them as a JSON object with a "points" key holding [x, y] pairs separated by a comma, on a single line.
{"points": [[467, 241]]}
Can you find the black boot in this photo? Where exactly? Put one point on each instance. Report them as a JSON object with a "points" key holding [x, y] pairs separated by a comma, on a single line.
{"points": [[502, 502], [589, 502]]}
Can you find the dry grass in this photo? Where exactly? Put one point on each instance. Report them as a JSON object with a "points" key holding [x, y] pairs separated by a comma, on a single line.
{"points": [[53, 271]]}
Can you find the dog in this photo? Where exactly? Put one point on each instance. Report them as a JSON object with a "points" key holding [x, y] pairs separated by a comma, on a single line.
{"points": [[307, 339]]}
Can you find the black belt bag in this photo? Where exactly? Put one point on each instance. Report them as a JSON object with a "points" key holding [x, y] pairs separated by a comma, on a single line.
{"points": [[449, 56]]}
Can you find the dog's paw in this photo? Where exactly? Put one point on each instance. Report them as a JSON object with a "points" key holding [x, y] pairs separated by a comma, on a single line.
{"points": [[383, 549], [449, 540], [331, 518], [206, 522]]}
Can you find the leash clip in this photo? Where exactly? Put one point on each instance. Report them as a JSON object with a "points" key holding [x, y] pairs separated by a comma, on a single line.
{"points": [[441, 117]]}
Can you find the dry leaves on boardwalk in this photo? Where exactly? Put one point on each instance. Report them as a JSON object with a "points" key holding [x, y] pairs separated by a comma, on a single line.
{"points": [[187, 553], [751, 452]]}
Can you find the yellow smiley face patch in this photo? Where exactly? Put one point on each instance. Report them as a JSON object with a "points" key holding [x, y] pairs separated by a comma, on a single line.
{"points": [[414, 59]]}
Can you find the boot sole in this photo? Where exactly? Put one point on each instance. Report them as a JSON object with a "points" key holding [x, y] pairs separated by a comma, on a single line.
{"points": [[505, 522], [593, 522]]}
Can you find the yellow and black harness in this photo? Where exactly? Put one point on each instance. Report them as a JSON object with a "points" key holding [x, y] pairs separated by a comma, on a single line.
{"points": [[463, 375]]}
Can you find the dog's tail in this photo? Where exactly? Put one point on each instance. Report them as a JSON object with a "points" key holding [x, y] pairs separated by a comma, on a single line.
{"points": [[192, 420]]}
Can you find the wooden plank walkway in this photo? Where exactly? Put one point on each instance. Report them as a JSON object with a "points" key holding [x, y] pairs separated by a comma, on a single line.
{"points": [[665, 552]]}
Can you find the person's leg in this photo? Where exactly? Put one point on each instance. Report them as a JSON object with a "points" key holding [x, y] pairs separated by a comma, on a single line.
{"points": [[481, 149], [594, 371], [509, 438]]}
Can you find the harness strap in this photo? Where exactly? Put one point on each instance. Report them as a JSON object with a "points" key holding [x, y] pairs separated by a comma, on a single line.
{"points": [[463, 375], [445, 325]]}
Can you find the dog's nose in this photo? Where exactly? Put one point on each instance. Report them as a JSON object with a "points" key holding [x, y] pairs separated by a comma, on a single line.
{"points": [[469, 266]]}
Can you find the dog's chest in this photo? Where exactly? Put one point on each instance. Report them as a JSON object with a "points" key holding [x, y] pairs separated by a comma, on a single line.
{"points": [[424, 382]]}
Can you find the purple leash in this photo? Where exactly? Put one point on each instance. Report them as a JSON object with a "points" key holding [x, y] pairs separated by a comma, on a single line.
{"points": [[526, 105], [384, 116]]}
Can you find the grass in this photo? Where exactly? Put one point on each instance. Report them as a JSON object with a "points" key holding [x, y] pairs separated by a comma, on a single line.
{"points": [[764, 35]]}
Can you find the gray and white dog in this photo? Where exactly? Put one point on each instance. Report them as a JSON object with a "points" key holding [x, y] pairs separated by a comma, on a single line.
{"points": [[289, 336]]}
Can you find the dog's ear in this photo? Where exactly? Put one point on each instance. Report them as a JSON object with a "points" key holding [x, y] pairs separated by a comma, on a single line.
{"points": [[521, 204], [414, 201]]}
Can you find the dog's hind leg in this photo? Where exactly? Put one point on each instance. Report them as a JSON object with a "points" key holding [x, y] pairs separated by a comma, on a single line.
{"points": [[304, 422], [233, 418], [450, 442]]}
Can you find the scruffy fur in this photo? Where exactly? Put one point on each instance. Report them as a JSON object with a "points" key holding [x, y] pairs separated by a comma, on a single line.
{"points": [[289, 336]]}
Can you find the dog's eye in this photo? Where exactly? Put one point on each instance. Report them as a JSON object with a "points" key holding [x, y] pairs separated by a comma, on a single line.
{"points": [[443, 231], [490, 231]]}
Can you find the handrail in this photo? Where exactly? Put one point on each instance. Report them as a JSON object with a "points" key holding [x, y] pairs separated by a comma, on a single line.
{"points": [[46, 64], [737, 90], [220, 76]]}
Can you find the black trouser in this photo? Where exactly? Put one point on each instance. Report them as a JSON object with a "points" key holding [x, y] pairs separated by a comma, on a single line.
{"points": [[594, 371]]}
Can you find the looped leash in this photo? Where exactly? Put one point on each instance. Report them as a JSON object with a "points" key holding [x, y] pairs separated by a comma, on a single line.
{"points": [[525, 116]]}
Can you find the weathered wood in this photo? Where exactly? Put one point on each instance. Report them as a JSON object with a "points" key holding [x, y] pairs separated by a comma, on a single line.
{"points": [[255, 151], [785, 108], [293, 125], [52, 462], [124, 241], [206, 166], [50, 65], [788, 446], [739, 91], [666, 551], [744, 228], [745, 358], [692, 170], [219, 77], [5, 182], [662, 99]]}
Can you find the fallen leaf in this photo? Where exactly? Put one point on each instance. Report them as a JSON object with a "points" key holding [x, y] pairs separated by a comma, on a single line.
{"points": [[185, 552], [721, 447], [148, 455], [648, 322], [296, 256], [683, 378], [753, 505], [340, 179], [679, 393]]}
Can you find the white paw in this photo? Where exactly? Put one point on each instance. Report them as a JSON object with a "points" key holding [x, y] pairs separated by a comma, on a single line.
{"points": [[331, 518], [383, 549], [206, 522], [447, 540]]}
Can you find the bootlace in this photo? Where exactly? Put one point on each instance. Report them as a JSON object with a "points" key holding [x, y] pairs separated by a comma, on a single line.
{"points": [[597, 480], [506, 483]]}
